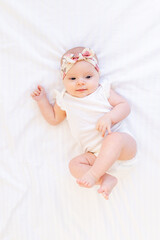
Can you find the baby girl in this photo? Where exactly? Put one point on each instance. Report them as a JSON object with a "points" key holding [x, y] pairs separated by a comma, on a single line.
{"points": [[94, 112]]}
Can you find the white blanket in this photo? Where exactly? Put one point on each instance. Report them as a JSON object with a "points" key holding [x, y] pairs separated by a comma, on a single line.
{"points": [[39, 199]]}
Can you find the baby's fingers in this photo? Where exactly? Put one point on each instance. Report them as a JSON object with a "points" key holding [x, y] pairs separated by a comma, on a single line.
{"points": [[103, 131], [101, 128], [40, 88], [35, 93], [98, 127], [109, 129]]}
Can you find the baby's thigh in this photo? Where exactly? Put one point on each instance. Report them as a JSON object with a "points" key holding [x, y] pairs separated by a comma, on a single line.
{"points": [[85, 158]]}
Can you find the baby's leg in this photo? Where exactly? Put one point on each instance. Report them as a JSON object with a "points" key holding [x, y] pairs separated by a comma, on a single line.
{"points": [[114, 146], [81, 164]]}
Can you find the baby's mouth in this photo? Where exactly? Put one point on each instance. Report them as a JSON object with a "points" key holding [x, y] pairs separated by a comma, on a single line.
{"points": [[81, 89]]}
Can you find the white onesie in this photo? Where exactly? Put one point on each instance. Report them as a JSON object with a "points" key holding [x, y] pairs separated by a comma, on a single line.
{"points": [[83, 114]]}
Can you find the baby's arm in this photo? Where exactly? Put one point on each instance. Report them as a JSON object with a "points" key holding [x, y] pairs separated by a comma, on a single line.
{"points": [[52, 113], [121, 110]]}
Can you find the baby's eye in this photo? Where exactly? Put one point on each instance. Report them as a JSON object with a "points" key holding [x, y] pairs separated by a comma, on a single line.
{"points": [[73, 78], [89, 76]]}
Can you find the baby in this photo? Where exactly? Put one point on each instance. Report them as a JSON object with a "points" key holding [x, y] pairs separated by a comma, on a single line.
{"points": [[94, 112]]}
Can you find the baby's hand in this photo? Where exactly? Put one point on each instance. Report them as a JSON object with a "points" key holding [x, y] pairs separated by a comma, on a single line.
{"points": [[39, 93], [103, 124]]}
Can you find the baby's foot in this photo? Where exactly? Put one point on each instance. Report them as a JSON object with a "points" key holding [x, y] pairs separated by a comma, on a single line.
{"points": [[108, 183], [87, 180]]}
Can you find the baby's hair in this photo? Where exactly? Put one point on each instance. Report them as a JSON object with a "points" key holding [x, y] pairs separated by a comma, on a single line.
{"points": [[76, 51]]}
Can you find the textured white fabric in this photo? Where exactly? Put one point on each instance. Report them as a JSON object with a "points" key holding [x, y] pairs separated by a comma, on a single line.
{"points": [[39, 200]]}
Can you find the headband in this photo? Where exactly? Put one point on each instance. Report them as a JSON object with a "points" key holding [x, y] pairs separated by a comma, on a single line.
{"points": [[69, 60]]}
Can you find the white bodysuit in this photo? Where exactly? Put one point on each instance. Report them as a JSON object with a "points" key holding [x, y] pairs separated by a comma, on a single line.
{"points": [[83, 114]]}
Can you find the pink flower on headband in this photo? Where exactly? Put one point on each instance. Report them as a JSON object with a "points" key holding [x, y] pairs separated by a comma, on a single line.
{"points": [[69, 60], [86, 54]]}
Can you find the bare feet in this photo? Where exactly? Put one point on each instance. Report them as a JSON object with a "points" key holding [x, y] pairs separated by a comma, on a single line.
{"points": [[107, 184], [87, 180]]}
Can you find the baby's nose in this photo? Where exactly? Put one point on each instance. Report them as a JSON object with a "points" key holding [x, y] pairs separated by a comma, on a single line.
{"points": [[81, 81]]}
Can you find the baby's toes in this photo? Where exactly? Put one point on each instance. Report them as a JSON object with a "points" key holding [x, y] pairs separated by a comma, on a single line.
{"points": [[105, 195], [85, 182], [104, 192], [80, 181]]}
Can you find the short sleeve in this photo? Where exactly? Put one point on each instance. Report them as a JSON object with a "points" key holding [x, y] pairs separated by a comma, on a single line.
{"points": [[106, 86], [59, 96]]}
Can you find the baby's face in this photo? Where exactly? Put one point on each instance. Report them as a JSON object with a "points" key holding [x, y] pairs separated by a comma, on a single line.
{"points": [[81, 80]]}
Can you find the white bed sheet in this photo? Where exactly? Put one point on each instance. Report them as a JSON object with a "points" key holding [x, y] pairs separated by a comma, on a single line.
{"points": [[39, 200]]}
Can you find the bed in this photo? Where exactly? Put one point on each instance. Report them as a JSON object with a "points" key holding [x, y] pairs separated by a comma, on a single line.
{"points": [[39, 199]]}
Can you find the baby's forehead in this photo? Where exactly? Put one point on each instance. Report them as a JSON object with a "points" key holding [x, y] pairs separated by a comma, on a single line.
{"points": [[82, 67], [81, 71]]}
